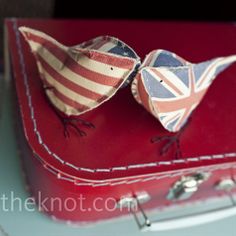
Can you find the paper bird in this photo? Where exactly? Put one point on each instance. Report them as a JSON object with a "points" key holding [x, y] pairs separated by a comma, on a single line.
{"points": [[80, 78], [83, 76], [170, 88]]}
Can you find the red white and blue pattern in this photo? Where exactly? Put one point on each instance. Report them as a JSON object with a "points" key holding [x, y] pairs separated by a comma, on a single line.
{"points": [[84, 76], [171, 88], [80, 78]]}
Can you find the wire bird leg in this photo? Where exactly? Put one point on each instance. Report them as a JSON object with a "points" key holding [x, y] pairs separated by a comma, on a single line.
{"points": [[71, 121], [171, 141]]}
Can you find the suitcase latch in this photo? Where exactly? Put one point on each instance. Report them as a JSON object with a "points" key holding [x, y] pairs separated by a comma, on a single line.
{"points": [[187, 186]]}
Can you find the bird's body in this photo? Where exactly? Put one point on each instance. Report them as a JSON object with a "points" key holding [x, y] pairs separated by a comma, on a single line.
{"points": [[170, 88], [82, 76]]}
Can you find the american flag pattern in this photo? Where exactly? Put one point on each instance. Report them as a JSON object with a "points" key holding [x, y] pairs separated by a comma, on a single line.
{"points": [[78, 79], [82, 77], [170, 87]]}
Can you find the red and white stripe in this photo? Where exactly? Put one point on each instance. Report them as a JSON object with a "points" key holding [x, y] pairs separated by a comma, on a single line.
{"points": [[81, 78]]}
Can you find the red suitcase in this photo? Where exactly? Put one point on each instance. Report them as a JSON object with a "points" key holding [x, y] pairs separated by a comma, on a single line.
{"points": [[115, 170]]}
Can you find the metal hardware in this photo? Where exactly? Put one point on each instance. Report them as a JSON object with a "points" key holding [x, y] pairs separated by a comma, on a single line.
{"points": [[131, 200], [145, 224], [187, 186], [133, 203], [226, 185]]}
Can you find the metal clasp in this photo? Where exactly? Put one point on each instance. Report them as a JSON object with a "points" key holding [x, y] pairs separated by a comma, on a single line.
{"points": [[134, 203], [187, 186]]}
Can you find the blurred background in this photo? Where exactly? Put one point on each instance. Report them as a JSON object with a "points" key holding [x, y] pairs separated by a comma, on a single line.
{"points": [[117, 9]]}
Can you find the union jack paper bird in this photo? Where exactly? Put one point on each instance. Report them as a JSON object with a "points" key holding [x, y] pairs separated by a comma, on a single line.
{"points": [[170, 87], [80, 78]]}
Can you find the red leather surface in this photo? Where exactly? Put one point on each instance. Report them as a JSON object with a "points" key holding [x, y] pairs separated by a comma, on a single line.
{"points": [[99, 202], [123, 127]]}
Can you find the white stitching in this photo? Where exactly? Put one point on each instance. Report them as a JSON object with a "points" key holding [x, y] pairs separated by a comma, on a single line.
{"points": [[50, 169], [67, 179], [151, 178], [206, 157], [179, 161], [218, 156], [193, 159], [158, 177], [103, 170], [229, 154], [117, 168], [165, 162]]}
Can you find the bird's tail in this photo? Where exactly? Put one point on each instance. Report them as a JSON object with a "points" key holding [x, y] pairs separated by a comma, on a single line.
{"points": [[207, 71], [44, 46]]}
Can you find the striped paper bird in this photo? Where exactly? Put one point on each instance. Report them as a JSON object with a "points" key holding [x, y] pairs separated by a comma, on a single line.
{"points": [[170, 88], [83, 76]]}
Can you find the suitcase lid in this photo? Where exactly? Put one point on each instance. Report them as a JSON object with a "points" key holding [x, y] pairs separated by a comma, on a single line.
{"points": [[120, 146]]}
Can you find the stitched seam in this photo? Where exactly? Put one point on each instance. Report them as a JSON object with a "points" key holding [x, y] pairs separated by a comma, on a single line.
{"points": [[116, 168], [150, 178]]}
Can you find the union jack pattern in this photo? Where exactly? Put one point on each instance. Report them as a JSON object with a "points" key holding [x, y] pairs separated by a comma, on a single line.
{"points": [[78, 79], [84, 76], [170, 87]]}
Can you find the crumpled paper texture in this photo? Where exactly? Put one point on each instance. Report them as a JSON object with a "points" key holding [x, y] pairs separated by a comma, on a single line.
{"points": [[80, 78]]}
